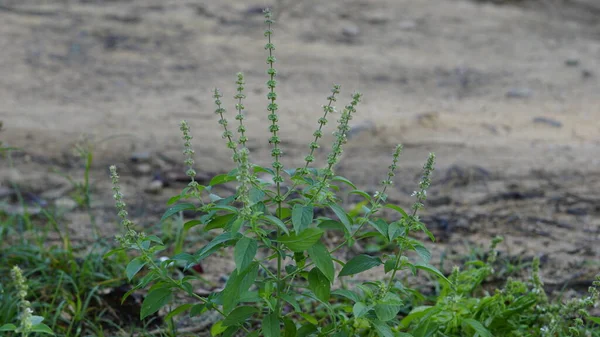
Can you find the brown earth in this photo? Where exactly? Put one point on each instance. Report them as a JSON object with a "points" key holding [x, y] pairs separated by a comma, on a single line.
{"points": [[505, 95]]}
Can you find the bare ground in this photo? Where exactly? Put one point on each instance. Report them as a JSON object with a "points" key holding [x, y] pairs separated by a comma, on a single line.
{"points": [[505, 95]]}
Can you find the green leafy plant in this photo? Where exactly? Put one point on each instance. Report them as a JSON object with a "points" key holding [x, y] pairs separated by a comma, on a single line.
{"points": [[28, 323], [290, 281], [283, 263]]}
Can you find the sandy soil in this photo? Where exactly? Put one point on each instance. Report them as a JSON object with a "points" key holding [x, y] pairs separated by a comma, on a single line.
{"points": [[505, 95]]}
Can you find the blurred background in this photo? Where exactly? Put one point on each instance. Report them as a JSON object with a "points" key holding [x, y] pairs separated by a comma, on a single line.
{"points": [[506, 93]]}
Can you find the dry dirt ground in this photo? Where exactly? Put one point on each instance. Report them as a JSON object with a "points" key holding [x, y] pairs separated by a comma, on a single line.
{"points": [[506, 94]]}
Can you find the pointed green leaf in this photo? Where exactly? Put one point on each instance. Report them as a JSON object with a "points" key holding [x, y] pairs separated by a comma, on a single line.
{"points": [[221, 179], [322, 259], [361, 193], [8, 327], [382, 329], [478, 327], [302, 217], [270, 325], [423, 252], [217, 328], [245, 250], [276, 222], [237, 286], [381, 226], [191, 224], [359, 264], [41, 328], [359, 309], [155, 300], [343, 180], [387, 308], [239, 315], [352, 296], [289, 328], [177, 311], [256, 195], [397, 209], [319, 284], [221, 221], [134, 267], [301, 242], [292, 301], [341, 214], [432, 270], [176, 209]]}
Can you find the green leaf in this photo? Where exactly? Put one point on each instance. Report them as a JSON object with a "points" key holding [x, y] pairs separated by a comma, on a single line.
{"points": [[594, 319], [387, 308], [220, 221], [352, 296], [230, 332], [217, 328], [423, 252], [245, 250], [343, 180], [301, 242], [176, 209], [197, 309], [177, 311], [397, 209], [174, 199], [322, 259], [237, 286], [237, 225], [292, 301], [276, 222], [381, 226], [289, 328], [221, 179], [41, 328], [332, 224], [432, 270], [415, 314], [478, 327], [382, 329], [360, 309], [284, 213], [309, 318], [341, 214], [360, 263], [8, 327], [302, 217], [307, 330], [191, 224], [133, 267], [239, 315], [209, 248], [270, 325], [155, 300], [361, 193], [319, 284], [256, 195]]}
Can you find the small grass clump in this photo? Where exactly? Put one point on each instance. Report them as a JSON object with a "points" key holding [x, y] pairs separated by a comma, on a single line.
{"points": [[290, 281]]}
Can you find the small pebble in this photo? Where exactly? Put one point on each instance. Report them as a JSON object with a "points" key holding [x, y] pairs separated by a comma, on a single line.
{"points": [[65, 204], [140, 157], [519, 93], [143, 168], [155, 186], [407, 25], [350, 31], [572, 62], [547, 121]]}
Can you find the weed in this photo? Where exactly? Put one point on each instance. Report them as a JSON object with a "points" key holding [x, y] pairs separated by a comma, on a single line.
{"points": [[285, 272]]}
